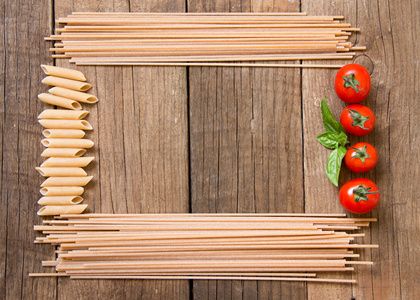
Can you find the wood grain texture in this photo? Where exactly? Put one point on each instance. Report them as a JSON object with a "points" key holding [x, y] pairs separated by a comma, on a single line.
{"points": [[381, 26], [141, 165], [21, 56], [246, 147], [215, 140]]}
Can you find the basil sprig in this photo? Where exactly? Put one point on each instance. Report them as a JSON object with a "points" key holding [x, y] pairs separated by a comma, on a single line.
{"points": [[334, 138]]}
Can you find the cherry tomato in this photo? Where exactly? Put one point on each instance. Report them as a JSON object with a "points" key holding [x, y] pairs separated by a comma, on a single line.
{"points": [[357, 119], [359, 196], [352, 83], [361, 157]]}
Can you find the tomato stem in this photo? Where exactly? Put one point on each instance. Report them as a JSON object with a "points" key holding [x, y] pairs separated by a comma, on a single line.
{"points": [[361, 153], [357, 118], [351, 81], [361, 192]]}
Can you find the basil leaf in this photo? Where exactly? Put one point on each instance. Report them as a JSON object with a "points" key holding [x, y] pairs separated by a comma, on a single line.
{"points": [[330, 124], [334, 164], [342, 139], [329, 139]]}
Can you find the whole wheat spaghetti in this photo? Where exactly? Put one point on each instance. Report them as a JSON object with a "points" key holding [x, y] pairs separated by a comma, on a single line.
{"points": [[205, 39], [282, 247]]}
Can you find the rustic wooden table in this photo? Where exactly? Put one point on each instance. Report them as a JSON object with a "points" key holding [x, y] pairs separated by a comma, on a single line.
{"points": [[207, 139]]}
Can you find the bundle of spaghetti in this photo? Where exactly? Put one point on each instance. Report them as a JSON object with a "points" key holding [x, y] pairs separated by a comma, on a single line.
{"points": [[202, 39], [290, 247], [64, 141]]}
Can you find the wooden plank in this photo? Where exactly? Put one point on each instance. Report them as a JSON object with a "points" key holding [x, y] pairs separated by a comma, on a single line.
{"points": [[231, 136], [381, 28], [320, 193], [140, 129], [246, 147], [22, 54], [396, 104]]}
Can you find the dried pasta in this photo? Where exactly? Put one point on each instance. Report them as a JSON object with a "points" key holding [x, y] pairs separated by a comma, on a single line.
{"points": [[67, 143], [63, 152], [66, 181], [62, 191], [67, 83], [63, 72], [60, 200], [63, 133], [59, 101], [67, 162], [61, 171], [65, 124], [63, 114], [75, 95], [52, 210]]}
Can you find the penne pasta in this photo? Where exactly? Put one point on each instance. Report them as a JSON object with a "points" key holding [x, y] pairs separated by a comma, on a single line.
{"points": [[61, 171], [67, 83], [65, 124], [59, 101], [63, 152], [67, 143], [62, 191], [74, 95], [67, 162], [60, 200], [63, 114], [63, 133], [66, 181], [52, 210], [63, 72]]}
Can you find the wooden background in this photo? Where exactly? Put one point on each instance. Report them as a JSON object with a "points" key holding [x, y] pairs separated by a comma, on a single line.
{"points": [[176, 139]]}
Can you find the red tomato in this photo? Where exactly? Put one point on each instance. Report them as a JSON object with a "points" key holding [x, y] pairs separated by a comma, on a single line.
{"points": [[361, 157], [352, 83], [359, 196], [357, 119]]}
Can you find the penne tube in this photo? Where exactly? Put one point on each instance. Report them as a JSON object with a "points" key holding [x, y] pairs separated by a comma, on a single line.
{"points": [[60, 200], [62, 191], [63, 72], [52, 210], [63, 114], [74, 95], [61, 172], [63, 152], [63, 133], [66, 181], [65, 124], [67, 162], [67, 143], [67, 83], [59, 101]]}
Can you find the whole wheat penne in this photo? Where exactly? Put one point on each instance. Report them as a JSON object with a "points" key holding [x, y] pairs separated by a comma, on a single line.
{"points": [[63, 133], [67, 143], [52, 210], [63, 72], [65, 124], [60, 200], [62, 191], [63, 152], [67, 162], [63, 114], [59, 101], [75, 95], [61, 171], [66, 181], [67, 83]]}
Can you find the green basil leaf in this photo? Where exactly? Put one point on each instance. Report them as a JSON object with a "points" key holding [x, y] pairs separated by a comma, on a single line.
{"points": [[330, 124], [342, 139], [329, 139], [334, 164]]}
